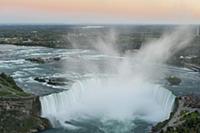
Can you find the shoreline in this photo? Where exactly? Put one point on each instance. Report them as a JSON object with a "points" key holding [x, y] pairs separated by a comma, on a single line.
{"points": [[185, 108], [19, 111]]}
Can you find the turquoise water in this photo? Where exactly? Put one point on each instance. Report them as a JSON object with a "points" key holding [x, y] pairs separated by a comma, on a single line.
{"points": [[12, 61]]}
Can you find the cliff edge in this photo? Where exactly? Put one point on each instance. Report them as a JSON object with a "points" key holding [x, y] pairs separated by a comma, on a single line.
{"points": [[19, 111], [184, 119]]}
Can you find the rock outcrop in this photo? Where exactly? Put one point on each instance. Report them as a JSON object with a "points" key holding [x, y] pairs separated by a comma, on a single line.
{"points": [[56, 81], [19, 111], [173, 80], [41, 60], [185, 119]]}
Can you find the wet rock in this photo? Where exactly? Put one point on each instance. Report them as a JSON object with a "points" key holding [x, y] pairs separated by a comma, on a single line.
{"points": [[52, 82], [40, 60], [56, 81], [40, 79], [173, 80], [36, 60], [192, 101], [56, 58]]}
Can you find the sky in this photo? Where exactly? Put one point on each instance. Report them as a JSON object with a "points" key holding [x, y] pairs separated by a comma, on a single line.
{"points": [[100, 11]]}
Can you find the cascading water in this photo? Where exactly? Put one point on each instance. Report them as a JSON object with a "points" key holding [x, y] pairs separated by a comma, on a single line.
{"points": [[108, 99], [112, 104]]}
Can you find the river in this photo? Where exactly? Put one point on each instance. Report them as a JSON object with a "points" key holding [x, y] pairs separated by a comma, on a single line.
{"points": [[74, 66]]}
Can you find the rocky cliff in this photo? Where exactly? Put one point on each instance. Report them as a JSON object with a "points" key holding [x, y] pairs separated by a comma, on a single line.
{"points": [[184, 119], [19, 111]]}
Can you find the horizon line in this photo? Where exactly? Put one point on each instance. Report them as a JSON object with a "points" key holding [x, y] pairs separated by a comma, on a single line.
{"points": [[104, 24]]}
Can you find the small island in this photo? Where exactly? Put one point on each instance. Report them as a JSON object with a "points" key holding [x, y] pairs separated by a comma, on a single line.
{"points": [[19, 111], [173, 80]]}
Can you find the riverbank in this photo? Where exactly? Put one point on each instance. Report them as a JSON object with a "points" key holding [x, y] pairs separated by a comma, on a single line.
{"points": [[184, 119], [19, 111]]}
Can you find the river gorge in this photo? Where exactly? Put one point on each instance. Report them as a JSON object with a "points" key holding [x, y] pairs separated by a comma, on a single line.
{"points": [[96, 100]]}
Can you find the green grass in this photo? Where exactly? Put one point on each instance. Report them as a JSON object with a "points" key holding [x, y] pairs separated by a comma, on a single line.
{"points": [[8, 87]]}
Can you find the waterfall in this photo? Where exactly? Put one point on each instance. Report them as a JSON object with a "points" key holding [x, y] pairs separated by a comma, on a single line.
{"points": [[115, 99], [129, 95]]}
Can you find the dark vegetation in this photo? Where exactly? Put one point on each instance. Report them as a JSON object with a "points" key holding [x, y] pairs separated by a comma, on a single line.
{"points": [[14, 120], [129, 37], [190, 124], [34, 35], [173, 80], [57, 36], [186, 121], [19, 111], [8, 87]]}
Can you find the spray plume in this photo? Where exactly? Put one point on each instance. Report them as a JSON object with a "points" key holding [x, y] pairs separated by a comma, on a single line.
{"points": [[128, 92]]}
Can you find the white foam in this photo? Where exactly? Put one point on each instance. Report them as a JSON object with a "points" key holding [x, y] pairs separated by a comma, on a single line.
{"points": [[111, 98]]}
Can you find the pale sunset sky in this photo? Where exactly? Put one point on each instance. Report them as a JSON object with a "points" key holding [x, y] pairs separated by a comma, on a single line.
{"points": [[100, 11]]}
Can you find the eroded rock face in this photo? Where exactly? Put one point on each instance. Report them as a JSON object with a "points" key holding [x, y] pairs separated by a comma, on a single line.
{"points": [[21, 115], [19, 112]]}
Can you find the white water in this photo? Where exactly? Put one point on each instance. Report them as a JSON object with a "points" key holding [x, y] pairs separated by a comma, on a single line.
{"points": [[108, 99], [130, 94]]}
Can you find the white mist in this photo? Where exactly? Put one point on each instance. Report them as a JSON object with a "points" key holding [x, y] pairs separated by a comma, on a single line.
{"points": [[129, 93]]}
